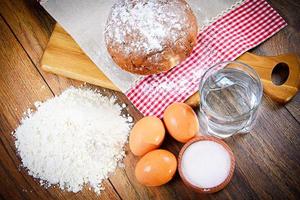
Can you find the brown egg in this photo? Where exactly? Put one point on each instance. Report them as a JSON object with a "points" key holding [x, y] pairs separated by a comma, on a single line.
{"points": [[181, 121], [146, 135], [156, 168]]}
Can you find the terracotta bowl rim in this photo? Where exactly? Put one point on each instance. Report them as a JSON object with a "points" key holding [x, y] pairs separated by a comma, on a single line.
{"points": [[221, 185]]}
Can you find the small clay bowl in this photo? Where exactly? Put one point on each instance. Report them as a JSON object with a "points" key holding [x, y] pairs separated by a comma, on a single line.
{"points": [[218, 187]]}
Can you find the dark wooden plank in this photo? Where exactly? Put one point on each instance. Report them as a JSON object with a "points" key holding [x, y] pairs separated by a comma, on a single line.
{"points": [[17, 77], [32, 27], [20, 86], [294, 107], [289, 10], [35, 28], [267, 158]]}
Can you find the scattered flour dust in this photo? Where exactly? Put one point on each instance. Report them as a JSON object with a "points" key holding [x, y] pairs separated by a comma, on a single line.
{"points": [[73, 140]]}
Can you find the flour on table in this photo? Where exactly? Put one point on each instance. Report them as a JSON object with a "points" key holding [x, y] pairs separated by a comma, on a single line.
{"points": [[73, 140]]}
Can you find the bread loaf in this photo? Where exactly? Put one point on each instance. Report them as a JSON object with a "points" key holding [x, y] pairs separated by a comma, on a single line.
{"points": [[150, 36]]}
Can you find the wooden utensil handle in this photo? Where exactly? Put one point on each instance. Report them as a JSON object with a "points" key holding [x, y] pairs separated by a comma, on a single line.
{"points": [[273, 68], [267, 67]]}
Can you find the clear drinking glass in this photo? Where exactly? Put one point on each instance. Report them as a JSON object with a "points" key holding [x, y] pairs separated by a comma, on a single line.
{"points": [[230, 94]]}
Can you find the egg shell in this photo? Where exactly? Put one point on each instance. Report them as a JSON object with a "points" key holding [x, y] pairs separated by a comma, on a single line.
{"points": [[218, 187], [156, 168], [181, 121], [146, 135]]}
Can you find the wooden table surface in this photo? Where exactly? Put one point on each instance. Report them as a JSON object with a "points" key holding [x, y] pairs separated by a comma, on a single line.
{"points": [[267, 159]]}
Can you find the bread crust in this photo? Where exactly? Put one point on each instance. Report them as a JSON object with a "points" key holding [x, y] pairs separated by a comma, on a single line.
{"points": [[150, 36]]}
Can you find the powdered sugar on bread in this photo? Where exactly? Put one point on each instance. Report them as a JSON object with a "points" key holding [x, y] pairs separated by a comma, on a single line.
{"points": [[145, 27]]}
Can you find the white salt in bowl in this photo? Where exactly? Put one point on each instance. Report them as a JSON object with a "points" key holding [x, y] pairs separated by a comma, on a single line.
{"points": [[206, 164]]}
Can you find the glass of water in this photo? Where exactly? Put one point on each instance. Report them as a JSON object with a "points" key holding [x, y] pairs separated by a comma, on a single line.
{"points": [[230, 94]]}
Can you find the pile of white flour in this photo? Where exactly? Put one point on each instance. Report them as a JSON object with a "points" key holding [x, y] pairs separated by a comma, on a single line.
{"points": [[73, 140]]}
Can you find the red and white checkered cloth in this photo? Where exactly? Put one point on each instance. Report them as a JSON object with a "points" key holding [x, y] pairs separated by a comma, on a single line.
{"points": [[236, 32]]}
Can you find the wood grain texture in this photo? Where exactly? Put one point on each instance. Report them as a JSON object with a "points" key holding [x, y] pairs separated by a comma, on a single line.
{"points": [[32, 27], [267, 159]]}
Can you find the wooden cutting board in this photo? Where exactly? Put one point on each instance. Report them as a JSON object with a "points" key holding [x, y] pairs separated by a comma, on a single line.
{"points": [[64, 57]]}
